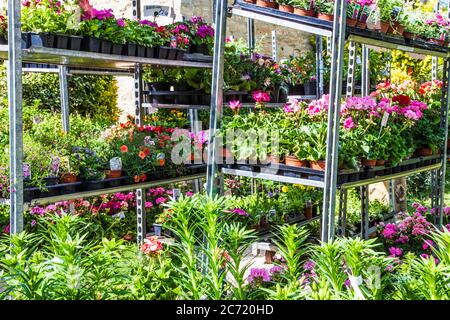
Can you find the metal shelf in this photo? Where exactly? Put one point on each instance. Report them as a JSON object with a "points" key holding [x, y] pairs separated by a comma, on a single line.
{"points": [[319, 183], [93, 193], [72, 58], [325, 28]]}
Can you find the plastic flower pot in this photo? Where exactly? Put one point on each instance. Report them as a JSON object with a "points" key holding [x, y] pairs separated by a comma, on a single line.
{"points": [[159, 86], [140, 51], [163, 52], [381, 163], [180, 53], [112, 182], [200, 48], [250, 1], [351, 22], [105, 46], [112, 174], [296, 90], [68, 178], [310, 88], [368, 163], [286, 8], [384, 27], [303, 12], [172, 54], [274, 159], [75, 43], [91, 44], [266, 4], [437, 42], [51, 181], [48, 39], [130, 49], [3, 41], [93, 185], [325, 16], [158, 229], [361, 25], [69, 188], [409, 35], [117, 49], [318, 165], [292, 161], [308, 212], [62, 41], [150, 52], [424, 152]]}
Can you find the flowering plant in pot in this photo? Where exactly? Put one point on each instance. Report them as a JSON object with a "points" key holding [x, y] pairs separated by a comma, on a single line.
{"points": [[296, 70], [202, 36], [90, 165], [304, 7], [353, 9], [389, 10], [326, 9], [69, 169], [435, 29]]}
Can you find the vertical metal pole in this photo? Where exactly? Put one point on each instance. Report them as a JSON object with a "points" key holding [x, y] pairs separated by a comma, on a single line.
{"points": [[251, 34], [274, 45], [364, 212], [391, 190], [434, 68], [193, 118], [319, 66], [15, 115], [64, 97], [365, 71], [213, 182], [351, 69], [342, 211], [331, 171], [139, 117], [444, 126]]}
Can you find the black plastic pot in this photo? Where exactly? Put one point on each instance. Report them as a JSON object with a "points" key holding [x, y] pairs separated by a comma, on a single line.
{"points": [[172, 54], [296, 90], [150, 52], [42, 40], [75, 43], [117, 49], [141, 51], [180, 53], [163, 52], [3, 41], [68, 188], [51, 181], [93, 185], [91, 44], [62, 41], [159, 86], [30, 194], [114, 182], [130, 49], [105, 46], [310, 88], [202, 49]]}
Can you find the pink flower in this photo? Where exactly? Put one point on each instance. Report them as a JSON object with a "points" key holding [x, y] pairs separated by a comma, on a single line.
{"points": [[260, 96], [349, 124], [395, 252], [240, 212], [189, 194], [235, 105], [148, 204], [121, 23], [427, 244], [160, 200], [389, 231], [7, 229]]}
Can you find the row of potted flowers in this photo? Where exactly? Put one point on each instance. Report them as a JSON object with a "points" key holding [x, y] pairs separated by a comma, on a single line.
{"points": [[82, 27], [394, 124], [384, 16]]}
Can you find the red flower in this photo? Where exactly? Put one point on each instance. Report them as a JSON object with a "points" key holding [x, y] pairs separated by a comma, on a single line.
{"points": [[142, 155], [146, 151], [124, 149], [402, 100], [152, 246]]}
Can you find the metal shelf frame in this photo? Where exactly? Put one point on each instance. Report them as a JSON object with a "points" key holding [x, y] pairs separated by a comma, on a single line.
{"points": [[69, 62], [338, 35]]}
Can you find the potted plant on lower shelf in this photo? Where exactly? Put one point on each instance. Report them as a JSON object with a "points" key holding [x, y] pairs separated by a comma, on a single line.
{"points": [[304, 7], [325, 9], [286, 5], [91, 168]]}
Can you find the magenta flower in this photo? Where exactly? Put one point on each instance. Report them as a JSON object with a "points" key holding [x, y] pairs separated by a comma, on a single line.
{"points": [[235, 105], [160, 200], [395, 252], [349, 124], [121, 23], [258, 276], [240, 212], [428, 244], [389, 231], [260, 96]]}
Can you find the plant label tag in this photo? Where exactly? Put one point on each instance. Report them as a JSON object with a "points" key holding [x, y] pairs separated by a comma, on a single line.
{"points": [[54, 166], [176, 194], [272, 213], [358, 60], [356, 11], [115, 164], [26, 171], [385, 119]]}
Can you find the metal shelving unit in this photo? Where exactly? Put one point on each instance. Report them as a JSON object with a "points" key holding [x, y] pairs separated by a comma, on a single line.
{"points": [[68, 63], [339, 34]]}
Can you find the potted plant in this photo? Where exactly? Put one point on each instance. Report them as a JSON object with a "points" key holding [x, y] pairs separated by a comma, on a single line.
{"points": [[352, 13], [201, 36], [286, 5], [267, 4], [325, 9], [298, 148], [69, 170], [316, 136], [90, 167], [304, 7], [115, 171], [389, 9]]}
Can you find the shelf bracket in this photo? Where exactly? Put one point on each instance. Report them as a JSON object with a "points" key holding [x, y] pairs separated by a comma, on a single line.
{"points": [[64, 97]]}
